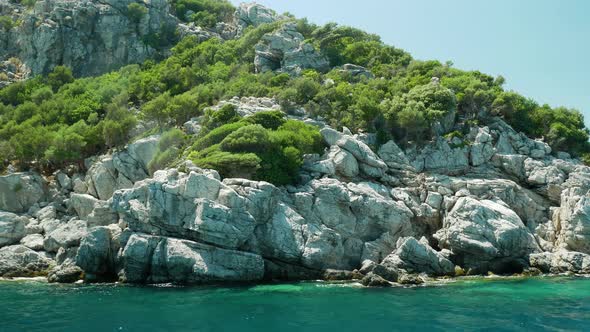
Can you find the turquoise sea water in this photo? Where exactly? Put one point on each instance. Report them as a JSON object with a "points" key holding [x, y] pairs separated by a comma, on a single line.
{"points": [[538, 304]]}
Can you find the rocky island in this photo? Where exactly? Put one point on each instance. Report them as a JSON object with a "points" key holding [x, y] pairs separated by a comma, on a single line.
{"points": [[193, 142]]}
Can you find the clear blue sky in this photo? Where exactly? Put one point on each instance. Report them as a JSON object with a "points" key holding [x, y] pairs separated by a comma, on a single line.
{"points": [[541, 47]]}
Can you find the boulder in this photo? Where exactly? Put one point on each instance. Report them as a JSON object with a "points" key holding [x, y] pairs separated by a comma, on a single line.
{"points": [[374, 280], [216, 224], [64, 181], [573, 220], [343, 148], [253, 14], [48, 212], [344, 162], [20, 261], [361, 152], [173, 207], [286, 50], [393, 156], [246, 106], [335, 275], [94, 211], [486, 236], [33, 241], [65, 235], [98, 252], [101, 179], [47, 226], [65, 274], [154, 259], [482, 148], [418, 257], [12, 228], [20, 191], [561, 261], [82, 204], [388, 273], [441, 157], [356, 71], [122, 169], [132, 162], [66, 270]]}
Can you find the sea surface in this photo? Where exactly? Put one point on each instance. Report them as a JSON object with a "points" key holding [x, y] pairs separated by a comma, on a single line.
{"points": [[535, 304]]}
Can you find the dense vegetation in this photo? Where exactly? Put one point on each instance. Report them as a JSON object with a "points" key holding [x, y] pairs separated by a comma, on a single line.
{"points": [[205, 13], [50, 121], [263, 146]]}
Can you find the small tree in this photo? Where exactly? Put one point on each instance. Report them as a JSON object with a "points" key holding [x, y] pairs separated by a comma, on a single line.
{"points": [[157, 109], [60, 76], [118, 122], [135, 12], [6, 22]]}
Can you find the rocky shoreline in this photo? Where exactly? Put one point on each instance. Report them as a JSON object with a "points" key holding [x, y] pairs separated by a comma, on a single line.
{"points": [[424, 281], [381, 217], [490, 201]]}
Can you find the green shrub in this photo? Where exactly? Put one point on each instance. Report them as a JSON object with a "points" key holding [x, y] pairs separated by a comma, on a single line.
{"points": [[244, 165], [206, 12], [454, 134], [217, 135], [172, 138], [279, 147], [280, 166], [42, 94], [118, 123], [226, 114], [7, 23], [268, 119], [136, 12], [252, 138], [169, 148], [60, 76], [163, 159], [28, 3]]}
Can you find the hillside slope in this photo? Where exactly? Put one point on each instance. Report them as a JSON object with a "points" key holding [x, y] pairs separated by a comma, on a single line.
{"points": [[265, 147]]}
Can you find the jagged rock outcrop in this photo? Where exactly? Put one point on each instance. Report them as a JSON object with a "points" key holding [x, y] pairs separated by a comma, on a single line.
{"points": [[348, 157], [253, 14], [573, 219], [156, 259], [65, 235], [91, 36], [323, 225], [356, 71], [561, 261], [247, 106], [415, 256], [20, 191], [97, 254], [285, 50], [12, 228], [20, 261], [121, 169], [484, 235], [33, 241], [65, 270], [13, 70], [441, 156]]}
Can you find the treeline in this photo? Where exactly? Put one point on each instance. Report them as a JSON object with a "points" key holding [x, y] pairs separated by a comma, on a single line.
{"points": [[54, 120]]}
